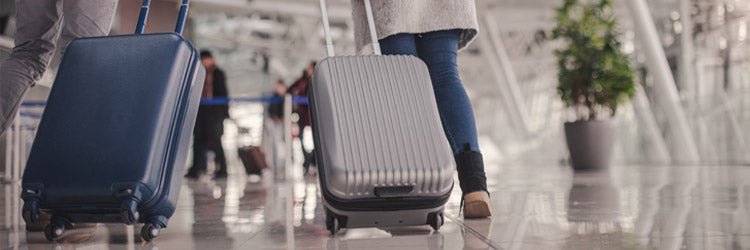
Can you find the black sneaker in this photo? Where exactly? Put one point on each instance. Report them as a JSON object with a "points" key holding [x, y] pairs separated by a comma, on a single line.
{"points": [[220, 175], [192, 175]]}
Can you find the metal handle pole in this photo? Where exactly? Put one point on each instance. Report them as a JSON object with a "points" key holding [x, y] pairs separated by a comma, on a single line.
{"points": [[371, 24], [142, 17], [327, 29], [182, 18], [287, 135]]}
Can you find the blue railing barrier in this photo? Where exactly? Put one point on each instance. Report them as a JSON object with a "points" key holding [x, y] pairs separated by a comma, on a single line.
{"points": [[268, 99], [34, 104], [31, 115], [207, 101]]}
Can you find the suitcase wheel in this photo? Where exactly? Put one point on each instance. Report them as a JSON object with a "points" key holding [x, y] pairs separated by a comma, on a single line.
{"points": [[55, 229], [150, 231], [333, 224], [53, 232], [129, 212], [435, 220]]}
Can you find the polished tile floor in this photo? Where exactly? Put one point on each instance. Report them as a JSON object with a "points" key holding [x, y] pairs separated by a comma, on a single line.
{"points": [[535, 207]]}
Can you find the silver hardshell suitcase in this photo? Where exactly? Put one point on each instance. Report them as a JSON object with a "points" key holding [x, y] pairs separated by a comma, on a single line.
{"points": [[381, 150]]}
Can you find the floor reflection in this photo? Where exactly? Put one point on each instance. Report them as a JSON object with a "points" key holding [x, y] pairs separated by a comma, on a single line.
{"points": [[536, 207], [209, 225], [593, 204], [393, 238]]}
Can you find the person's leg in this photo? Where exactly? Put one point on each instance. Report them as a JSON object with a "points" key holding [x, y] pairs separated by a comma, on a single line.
{"points": [[301, 137], [439, 50], [200, 148], [398, 44], [221, 160], [86, 18], [309, 156], [37, 28], [218, 148]]}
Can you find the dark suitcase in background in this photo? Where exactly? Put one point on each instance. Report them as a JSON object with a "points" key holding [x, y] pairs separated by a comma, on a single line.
{"points": [[253, 159], [112, 143], [382, 154]]}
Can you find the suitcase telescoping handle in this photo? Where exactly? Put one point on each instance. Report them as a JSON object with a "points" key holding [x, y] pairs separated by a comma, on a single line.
{"points": [[180, 18], [370, 23]]}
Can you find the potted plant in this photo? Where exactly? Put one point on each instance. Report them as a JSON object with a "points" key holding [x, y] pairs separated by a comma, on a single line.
{"points": [[594, 77]]}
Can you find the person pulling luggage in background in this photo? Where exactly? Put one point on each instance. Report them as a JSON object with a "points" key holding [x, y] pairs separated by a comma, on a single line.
{"points": [[38, 25], [434, 31], [299, 88], [209, 125]]}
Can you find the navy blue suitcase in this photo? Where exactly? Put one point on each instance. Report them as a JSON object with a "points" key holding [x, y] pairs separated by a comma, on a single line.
{"points": [[112, 143]]}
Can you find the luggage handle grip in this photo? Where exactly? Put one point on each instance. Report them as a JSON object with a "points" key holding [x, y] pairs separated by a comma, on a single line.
{"points": [[370, 24], [395, 191], [181, 18]]}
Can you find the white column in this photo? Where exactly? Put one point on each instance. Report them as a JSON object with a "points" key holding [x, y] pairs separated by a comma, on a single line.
{"points": [[8, 152], [684, 181], [287, 138], [8, 205], [647, 123], [687, 51], [501, 67], [16, 176], [649, 203], [22, 142], [664, 83]]}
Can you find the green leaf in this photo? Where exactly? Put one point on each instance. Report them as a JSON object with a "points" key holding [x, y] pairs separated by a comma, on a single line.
{"points": [[593, 71]]}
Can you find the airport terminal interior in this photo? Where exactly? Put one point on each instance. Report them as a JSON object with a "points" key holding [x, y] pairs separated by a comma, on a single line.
{"points": [[678, 177]]}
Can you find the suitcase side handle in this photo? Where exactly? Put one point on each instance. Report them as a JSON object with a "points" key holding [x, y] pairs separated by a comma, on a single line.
{"points": [[370, 23], [395, 191], [181, 18]]}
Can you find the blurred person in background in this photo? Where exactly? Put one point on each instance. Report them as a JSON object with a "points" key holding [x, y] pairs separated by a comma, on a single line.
{"points": [[276, 108], [299, 88], [209, 125]]}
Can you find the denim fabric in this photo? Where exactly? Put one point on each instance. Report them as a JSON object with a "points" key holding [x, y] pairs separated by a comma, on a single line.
{"points": [[439, 49]]}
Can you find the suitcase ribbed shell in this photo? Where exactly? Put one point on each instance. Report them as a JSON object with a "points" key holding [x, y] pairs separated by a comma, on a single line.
{"points": [[378, 126]]}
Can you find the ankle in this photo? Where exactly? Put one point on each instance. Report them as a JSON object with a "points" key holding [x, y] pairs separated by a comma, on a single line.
{"points": [[471, 175]]}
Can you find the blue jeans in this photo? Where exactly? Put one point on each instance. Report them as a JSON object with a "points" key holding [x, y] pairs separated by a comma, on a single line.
{"points": [[439, 49], [39, 31]]}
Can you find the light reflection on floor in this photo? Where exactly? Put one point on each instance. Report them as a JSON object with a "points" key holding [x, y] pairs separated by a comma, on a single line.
{"points": [[551, 207], [535, 207]]}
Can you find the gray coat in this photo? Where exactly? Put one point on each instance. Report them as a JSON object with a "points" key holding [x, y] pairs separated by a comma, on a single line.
{"points": [[415, 16]]}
